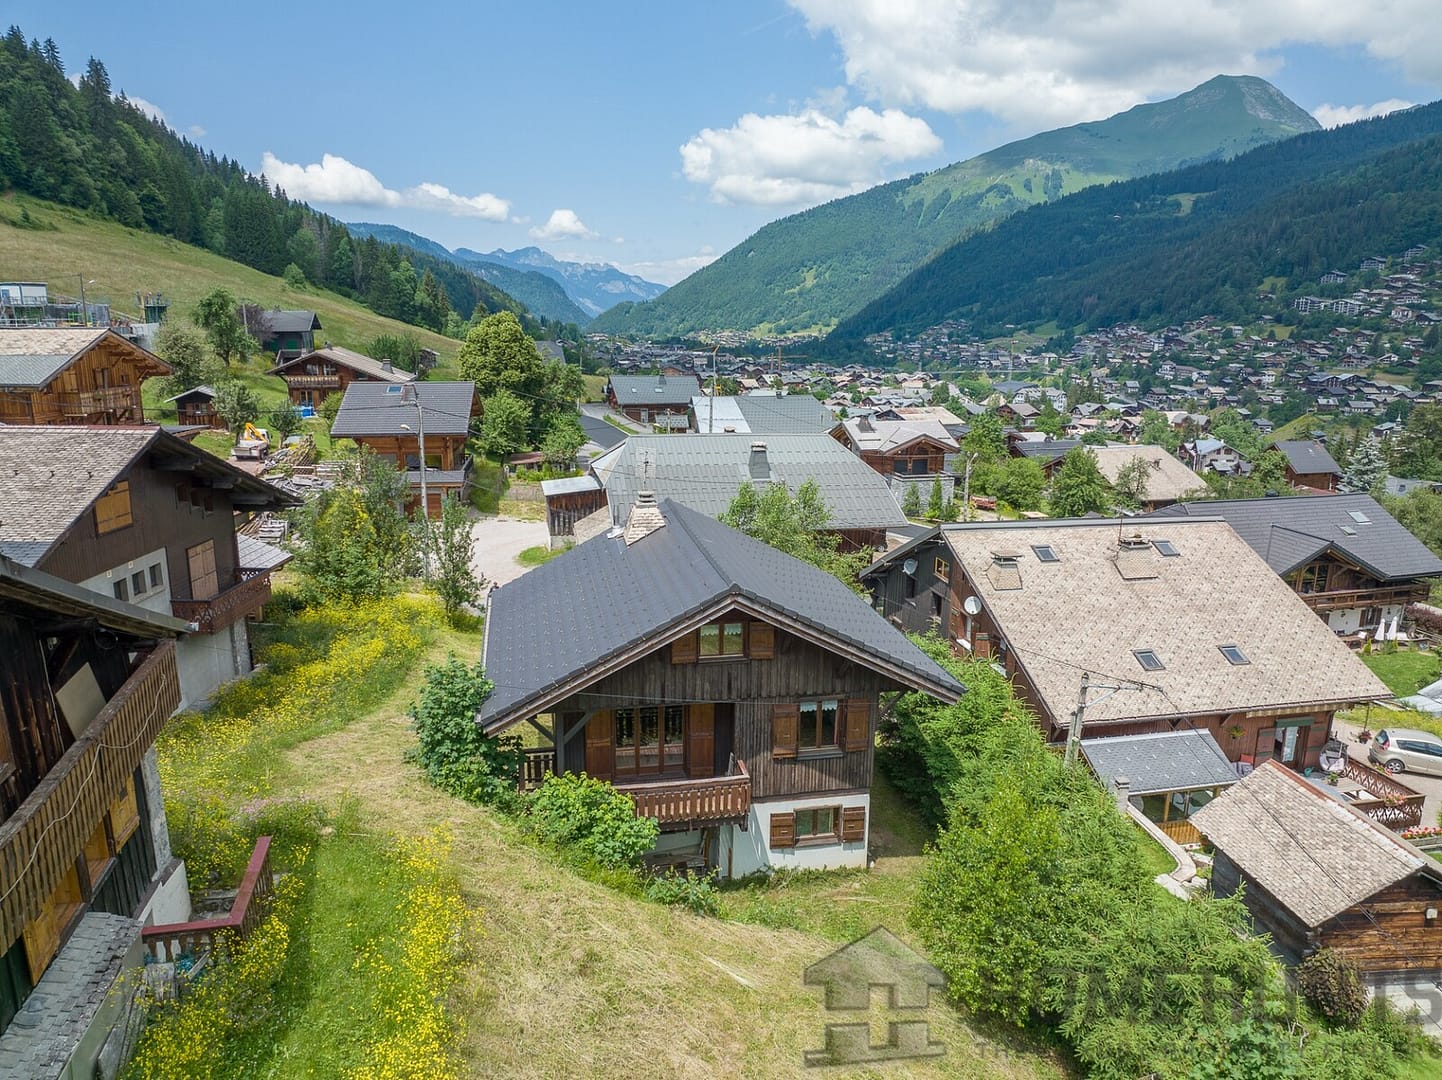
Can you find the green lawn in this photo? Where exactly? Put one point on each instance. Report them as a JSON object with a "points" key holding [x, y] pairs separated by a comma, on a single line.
{"points": [[535, 556], [1156, 857], [1405, 671]]}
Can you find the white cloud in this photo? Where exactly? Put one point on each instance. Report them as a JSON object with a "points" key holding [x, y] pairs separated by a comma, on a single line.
{"points": [[669, 271], [563, 224], [196, 131], [1060, 61], [150, 109], [336, 180], [806, 157], [1330, 116]]}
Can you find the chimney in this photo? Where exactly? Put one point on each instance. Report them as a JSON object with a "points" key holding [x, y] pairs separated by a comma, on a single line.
{"points": [[387, 367], [759, 467], [1123, 792], [864, 424], [660, 382], [644, 519]]}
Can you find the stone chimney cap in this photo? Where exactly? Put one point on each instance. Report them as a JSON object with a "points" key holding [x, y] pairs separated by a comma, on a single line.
{"points": [[644, 519]]}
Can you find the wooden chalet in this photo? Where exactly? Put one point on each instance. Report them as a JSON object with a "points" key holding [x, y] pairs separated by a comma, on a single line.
{"points": [[396, 419], [731, 690], [288, 334], [1317, 874], [196, 408], [1167, 480], [655, 400], [73, 376], [1181, 611], [314, 375], [1167, 775], [86, 684], [900, 447], [1309, 466], [144, 517], [1348, 559]]}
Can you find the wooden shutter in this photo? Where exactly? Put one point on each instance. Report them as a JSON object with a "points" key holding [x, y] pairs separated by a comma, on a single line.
{"points": [[700, 741], [124, 814], [784, 719], [763, 641], [686, 650], [858, 724], [112, 510], [600, 747], [203, 582], [853, 824], [783, 830]]}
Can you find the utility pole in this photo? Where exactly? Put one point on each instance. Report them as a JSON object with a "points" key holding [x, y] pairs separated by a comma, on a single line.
{"points": [[84, 311], [966, 489], [425, 499], [711, 407], [1073, 739]]}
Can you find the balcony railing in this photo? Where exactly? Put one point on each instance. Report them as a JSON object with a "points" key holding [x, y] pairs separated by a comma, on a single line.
{"points": [[685, 803], [1383, 596], [40, 842], [1392, 803], [312, 382], [169, 942], [248, 594], [91, 402]]}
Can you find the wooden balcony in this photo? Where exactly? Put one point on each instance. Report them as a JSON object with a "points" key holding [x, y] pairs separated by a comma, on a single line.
{"points": [[1383, 596], [678, 805], [40, 842], [1388, 801], [170, 941], [101, 402], [247, 595], [311, 382]]}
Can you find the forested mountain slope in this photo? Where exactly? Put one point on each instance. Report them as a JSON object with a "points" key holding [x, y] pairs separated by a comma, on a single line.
{"points": [[1197, 241], [814, 268]]}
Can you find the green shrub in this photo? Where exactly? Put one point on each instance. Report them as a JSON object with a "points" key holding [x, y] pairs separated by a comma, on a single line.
{"points": [[591, 819], [693, 891], [457, 756], [1332, 986]]}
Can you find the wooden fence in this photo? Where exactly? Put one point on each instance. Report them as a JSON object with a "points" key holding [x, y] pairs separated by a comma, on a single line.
{"points": [[171, 941]]}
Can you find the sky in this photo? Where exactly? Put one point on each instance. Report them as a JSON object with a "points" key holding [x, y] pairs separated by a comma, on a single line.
{"points": [[657, 135]]}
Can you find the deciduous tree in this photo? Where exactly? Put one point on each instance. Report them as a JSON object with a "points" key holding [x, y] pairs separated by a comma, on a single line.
{"points": [[505, 423], [1078, 487]]}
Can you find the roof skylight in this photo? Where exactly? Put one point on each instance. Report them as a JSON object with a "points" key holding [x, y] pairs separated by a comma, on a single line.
{"points": [[1045, 553], [1165, 547], [1148, 660], [1234, 655]]}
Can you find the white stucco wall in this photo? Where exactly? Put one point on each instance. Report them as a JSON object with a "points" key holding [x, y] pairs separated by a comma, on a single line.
{"points": [[1349, 620], [749, 851], [207, 660]]}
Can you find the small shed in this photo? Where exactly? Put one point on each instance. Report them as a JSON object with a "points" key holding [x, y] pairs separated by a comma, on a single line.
{"points": [[1318, 874], [196, 406], [1170, 775]]}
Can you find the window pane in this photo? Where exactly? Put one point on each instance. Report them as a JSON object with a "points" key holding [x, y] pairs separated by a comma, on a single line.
{"points": [[157, 576], [711, 640], [137, 582], [121, 592], [806, 725], [733, 639], [805, 823], [825, 821], [625, 727], [674, 743], [649, 736], [829, 711]]}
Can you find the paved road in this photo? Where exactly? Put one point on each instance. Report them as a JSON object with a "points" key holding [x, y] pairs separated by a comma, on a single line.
{"points": [[1429, 786], [499, 540]]}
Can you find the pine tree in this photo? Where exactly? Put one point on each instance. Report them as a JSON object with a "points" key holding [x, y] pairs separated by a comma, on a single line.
{"points": [[1367, 468]]}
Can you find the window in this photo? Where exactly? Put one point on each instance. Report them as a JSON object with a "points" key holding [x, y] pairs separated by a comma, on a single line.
{"points": [[1314, 578], [137, 583], [1148, 660], [816, 824], [121, 589], [1234, 655], [1045, 553], [817, 727], [112, 510], [720, 639], [943, 569], [157, 576], [650, 739], [910, 587], [1359, 517], [1165, 547]]}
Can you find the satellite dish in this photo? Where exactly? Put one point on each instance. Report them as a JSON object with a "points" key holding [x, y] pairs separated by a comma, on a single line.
{"points": [[909, 568], [971, 605]]}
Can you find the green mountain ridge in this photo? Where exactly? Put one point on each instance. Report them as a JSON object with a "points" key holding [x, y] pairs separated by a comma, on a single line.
{"points": [[812, 269], [1174, 246]]}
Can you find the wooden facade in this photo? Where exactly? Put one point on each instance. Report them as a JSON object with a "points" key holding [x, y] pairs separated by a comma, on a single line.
{"points": [[198, 407], [312, 377], [1331, 583], [1323, 481], [922, 456], [447, 463], [100, 385]]}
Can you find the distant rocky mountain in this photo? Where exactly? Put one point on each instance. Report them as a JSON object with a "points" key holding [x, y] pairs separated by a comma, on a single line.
{"points": [[811, 270], [596, 287], [542, 294]]}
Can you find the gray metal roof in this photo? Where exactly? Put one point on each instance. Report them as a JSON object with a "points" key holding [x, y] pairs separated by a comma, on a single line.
{"points": [[547, 631], [289, 321], [763, 414], [705, 471], [1161, 761], [1291, 532], [1049, 450], [601, 433], [32, 357], [1307, 456], [570, 485], [375, 408], [258, 555], [25, 583], [207, 391], [641, 390]]}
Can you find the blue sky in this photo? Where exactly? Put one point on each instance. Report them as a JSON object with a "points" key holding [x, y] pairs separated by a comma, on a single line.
{"points": [[658, 135]]}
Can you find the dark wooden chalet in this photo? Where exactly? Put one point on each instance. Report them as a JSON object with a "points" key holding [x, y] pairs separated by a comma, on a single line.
{"points": [[86, 684], [731, 690], [196, 408], [72, 376], [139, 515], [1348, 559], [899, 447], [1320, 875], [396, 421], [655, 400], [316, 374], [288, 334], [1197, 626], [1309, 466]]}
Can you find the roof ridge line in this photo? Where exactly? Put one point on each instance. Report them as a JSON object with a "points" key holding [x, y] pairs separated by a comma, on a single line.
{"points": [[699, 546]]}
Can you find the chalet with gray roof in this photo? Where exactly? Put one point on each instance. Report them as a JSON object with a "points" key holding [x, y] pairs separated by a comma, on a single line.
{"points": [[74, 375], [1347, 558], [398, 420], [731, 690], [141, 516], [1167, 775], [760, 414], [1196, 625], [1317, 874], [662, 401], [287, 333], [313, 376], [1309, 466]]}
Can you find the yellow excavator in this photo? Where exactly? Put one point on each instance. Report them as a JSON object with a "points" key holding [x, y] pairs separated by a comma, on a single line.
{"points": [[253, 443]]}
